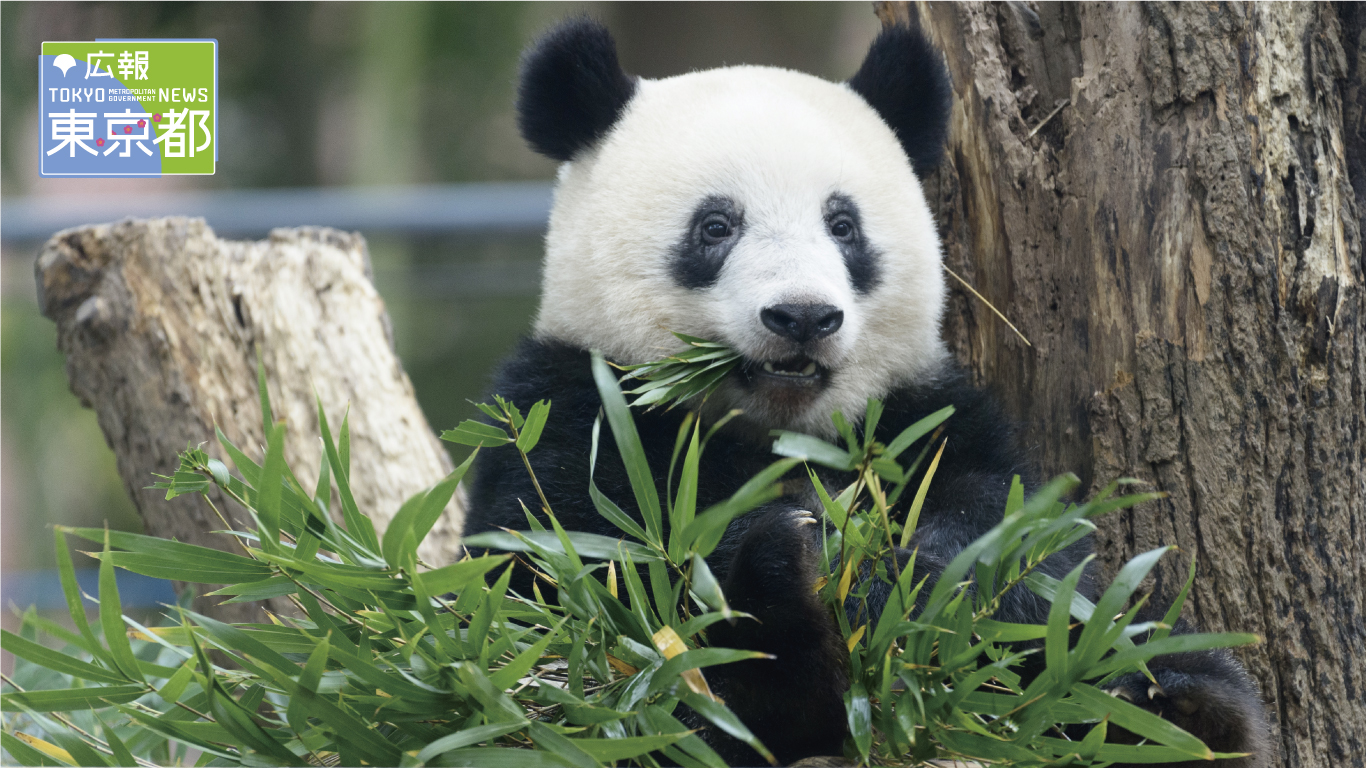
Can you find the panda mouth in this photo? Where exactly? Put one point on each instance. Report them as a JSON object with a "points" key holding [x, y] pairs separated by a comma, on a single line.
{"points": [[798, 371]]}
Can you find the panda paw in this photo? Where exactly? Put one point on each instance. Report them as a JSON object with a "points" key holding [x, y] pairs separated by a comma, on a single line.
{"points": [[772, 570], [1218, 704]]}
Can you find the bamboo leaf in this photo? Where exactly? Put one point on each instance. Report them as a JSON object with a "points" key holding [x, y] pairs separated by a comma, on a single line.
{"points": [[1059, 623], [1174, 612], [629, 446], [231, 638], [116, 746], [175, 685], [68, 699], [477, 434], [605, 506], [612, 750], [563, 748], [860, 714], [81, 752], [176, 569], [267, 416], [909, 435], [698, 658], [271, 487], [913, 515], [298, 709], [704, 533], [530, 433], [168, 554], [1174, 644], [57, 661], [706, 587], [684, 508], [358, 525], [75, 748], [1112, 602], [72, 591], [807, 448], [22, 747], [585, 544], [417, 516], [465, 738], [516, 669], [694, 748], [1015, 499], [457, 576], [1140, 721], [276, 586], [177, 730], [111, 618], [248, 469], [502, 757]]}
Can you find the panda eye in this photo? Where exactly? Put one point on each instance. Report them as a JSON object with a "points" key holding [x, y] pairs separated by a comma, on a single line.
{"points": [[842, 229], [715, 230]]}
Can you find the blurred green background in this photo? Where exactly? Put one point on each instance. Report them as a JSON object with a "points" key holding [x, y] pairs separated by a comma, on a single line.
{"points": [[339, 94]]}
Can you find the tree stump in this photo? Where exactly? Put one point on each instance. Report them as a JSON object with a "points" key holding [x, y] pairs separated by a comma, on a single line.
{"points": [[162, 324], [1161, 197]]}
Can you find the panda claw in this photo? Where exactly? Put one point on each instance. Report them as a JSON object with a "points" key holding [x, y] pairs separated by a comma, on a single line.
{"points": [[1120, 693], [803, 517], [1155, 690]]}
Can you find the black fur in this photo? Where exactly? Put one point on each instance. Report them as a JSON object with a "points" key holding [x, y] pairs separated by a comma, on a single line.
{"points": [[697, 259], [904, 79], [860, 258], [572, 89], [767, 560]]}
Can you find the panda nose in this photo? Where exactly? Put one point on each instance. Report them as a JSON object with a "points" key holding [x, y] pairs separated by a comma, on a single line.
{"points": [[802, 322]]}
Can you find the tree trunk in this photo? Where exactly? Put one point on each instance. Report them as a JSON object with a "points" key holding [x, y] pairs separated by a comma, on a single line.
{"points": [[162, 323], [1160, 197]]}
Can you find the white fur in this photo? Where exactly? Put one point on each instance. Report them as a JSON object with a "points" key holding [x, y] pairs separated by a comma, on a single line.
{"points": [[779, 143]]}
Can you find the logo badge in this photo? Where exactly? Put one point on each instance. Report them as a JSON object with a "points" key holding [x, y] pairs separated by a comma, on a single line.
{"points": [[128, 108]]}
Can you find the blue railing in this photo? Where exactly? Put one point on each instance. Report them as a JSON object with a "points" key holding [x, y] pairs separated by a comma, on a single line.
{"points": [[43, 589], [502, 207]]}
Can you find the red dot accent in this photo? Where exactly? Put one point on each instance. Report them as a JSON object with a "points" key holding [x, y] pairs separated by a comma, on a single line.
{"points": [[99, 142], [142, 123], [127, 129], [156, 117]]}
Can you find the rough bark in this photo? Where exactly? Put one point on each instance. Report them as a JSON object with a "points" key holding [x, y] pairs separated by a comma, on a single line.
{"points": [[161, 323], [1162, 198]]}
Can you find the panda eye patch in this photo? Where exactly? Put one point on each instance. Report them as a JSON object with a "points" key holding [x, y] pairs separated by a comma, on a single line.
{"points": [[716, 225], [860, 257]]}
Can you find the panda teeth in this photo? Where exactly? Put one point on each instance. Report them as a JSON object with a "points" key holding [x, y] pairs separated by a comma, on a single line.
{"points": [[809, 370]]}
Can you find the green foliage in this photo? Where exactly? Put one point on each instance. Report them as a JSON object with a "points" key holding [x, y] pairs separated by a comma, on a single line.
{"points": [[681, 377], [386, 660]]}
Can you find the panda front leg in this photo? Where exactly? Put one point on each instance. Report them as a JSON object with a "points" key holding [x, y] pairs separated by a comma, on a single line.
{"points": [[1210, 695], [794, 702]]}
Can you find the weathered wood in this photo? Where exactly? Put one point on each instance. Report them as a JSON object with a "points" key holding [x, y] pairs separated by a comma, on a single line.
{"points": [[161, 324], [1160, 196]]}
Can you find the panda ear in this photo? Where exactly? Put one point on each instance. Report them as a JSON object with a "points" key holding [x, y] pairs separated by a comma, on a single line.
{"points": [[903, 77], [572, 89]]}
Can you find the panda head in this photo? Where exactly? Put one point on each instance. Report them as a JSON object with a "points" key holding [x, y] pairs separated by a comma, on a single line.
{"points": [[770, 210]]}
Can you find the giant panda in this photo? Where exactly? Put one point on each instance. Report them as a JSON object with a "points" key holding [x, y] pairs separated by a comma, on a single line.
{"points": [[782, 215]]}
